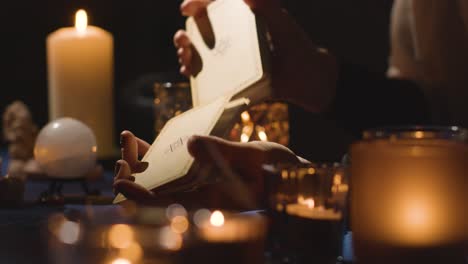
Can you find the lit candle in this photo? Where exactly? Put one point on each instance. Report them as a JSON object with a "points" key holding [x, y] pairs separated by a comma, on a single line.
{"points": [[227, 238], [409, 197], [306, 208], [237, 229], [80, 76]]}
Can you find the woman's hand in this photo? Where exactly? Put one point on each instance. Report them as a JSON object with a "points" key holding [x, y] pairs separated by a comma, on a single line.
{"points": [[240, 166], [302, 73], [132, 148]]}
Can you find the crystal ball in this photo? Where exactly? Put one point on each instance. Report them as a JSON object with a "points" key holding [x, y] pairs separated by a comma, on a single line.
{"points": [[66, 149]]}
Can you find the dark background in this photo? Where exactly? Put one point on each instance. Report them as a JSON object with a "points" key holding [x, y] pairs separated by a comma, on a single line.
{"points": [[357, 31]]}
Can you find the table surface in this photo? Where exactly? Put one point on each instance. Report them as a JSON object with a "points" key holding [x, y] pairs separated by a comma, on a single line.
{"points": [[22, 229]]}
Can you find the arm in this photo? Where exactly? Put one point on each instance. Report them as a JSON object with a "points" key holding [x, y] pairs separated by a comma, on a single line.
{"points": [[302, 72]]}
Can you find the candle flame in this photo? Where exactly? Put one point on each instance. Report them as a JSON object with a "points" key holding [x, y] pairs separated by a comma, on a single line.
{"points": [[81, 21], [263, 136], [245, 116], [419, 134], [245, 138], [121, 261], [217, 218], [309, 201]]}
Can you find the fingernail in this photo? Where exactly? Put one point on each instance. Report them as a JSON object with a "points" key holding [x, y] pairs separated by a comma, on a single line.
{"points": [[117, 168]]}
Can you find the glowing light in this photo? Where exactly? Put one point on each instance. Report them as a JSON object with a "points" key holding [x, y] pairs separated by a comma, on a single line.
{"points": [[217, 218], [279, 207], [120, 236], [246, 133], [81, 21], [245, 116], [133, 253], [262, 136], [418, 134], [416, 216], [201, 217], [174, 210], [311, 171], [179, 224], [337, 179], [170, 240], [292, 175], [69, 232], [94, 149], [309, 201], [55, 222], [284, 174], [121, 261], [56, 125], [300, 199]]}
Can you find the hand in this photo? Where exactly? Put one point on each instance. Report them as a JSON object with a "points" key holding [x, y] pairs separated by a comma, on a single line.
{"points": [[124, 182], [302, 72], [240, 165]]}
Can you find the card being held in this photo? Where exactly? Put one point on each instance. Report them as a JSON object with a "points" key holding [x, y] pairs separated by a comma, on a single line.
{"points": [[168, 157], [233, 53]]}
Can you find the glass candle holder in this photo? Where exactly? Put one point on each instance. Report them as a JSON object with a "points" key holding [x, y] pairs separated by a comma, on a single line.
{"points": [[170, 99], [409, 193], [226, 237], [308, 207], [157, 235], [263, 122], [143, 235]]}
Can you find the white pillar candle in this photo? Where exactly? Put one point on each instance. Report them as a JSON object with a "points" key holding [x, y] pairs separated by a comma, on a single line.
{"points": [[80, 76]]}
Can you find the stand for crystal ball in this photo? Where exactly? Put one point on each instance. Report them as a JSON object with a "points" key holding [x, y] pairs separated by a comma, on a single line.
{"points": [[54, 192]]}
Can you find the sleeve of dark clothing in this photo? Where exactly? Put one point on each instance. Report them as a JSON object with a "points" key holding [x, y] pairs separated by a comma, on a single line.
{"points": [[366, 100]]}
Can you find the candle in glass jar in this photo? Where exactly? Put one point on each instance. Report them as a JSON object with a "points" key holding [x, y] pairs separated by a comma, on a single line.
{"points": [[80, 77], [237, 229], [409, 196], [306, 208]]}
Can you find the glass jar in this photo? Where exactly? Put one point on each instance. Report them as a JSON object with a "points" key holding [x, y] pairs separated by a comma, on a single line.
{"points": [[170, 100], [409, 192], [169, 235], [308, 209]]}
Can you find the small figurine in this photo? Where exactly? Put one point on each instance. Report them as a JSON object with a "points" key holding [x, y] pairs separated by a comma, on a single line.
{"points": [[19, 130]]}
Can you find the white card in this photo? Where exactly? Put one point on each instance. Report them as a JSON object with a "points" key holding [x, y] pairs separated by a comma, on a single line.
{"points": [[235, 62], [168, 156]]}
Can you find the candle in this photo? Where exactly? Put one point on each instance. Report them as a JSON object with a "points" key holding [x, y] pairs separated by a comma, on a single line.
{"points": [[409, 196], [80, 76], [237, 238], [236, 229], [306, 208], [308, 205]]}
